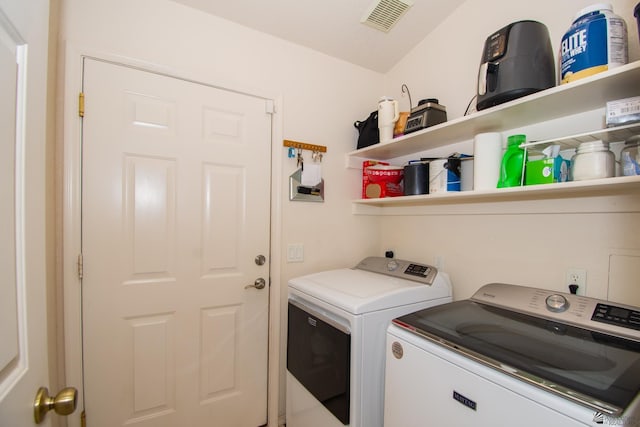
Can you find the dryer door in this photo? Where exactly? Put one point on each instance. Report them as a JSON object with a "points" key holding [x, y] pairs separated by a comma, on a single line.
{"points": [[319, 355]]}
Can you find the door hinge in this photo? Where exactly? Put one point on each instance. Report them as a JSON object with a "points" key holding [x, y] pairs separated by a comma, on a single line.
{"points": [[270, 106], [80, 266], [81, 104], [83, 419]]}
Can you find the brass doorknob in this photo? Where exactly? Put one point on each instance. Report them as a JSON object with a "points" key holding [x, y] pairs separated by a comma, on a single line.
{"points": [[64, 403]]}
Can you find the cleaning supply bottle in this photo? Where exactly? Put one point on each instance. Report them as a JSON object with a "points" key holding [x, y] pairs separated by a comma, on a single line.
{"points": [[512, 162]]}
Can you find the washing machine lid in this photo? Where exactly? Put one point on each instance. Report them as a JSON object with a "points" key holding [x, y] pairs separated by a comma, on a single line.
{"points": [[358, 291], [587, 366]]}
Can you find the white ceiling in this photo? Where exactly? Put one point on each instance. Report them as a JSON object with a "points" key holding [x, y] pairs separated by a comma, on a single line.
{"points": [[333, 26]]}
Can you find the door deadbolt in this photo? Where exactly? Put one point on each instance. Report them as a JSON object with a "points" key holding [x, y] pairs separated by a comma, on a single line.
{"points": [[258, 284], [64, 403], [260, 260]]}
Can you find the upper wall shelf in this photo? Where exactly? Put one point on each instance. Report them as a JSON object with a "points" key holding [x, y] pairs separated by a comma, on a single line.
{"points": [[577, 97]]}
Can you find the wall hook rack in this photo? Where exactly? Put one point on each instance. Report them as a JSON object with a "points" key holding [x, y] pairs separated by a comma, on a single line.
{"points": [[306, 184], [304, 146]]}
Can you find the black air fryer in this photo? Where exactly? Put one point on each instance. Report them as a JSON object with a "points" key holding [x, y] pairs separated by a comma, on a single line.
{"points": [[517, 60]]}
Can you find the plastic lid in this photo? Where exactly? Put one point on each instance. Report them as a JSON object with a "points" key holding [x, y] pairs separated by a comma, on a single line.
{"points": [[594, 7], [591, 146]]}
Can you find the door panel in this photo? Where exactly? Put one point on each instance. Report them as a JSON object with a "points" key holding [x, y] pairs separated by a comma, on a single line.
{"points": [[150, 214], [175, 209], [10, 76], [23, 209]]}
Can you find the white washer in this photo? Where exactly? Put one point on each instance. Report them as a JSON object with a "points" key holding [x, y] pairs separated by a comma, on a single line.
{"points": [[513, 355], [336, 337]]}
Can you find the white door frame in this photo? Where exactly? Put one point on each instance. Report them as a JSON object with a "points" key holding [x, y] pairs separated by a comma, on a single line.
{"points": [[70, 160]]}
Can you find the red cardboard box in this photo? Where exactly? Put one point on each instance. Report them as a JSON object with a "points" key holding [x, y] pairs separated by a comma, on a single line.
{"points": [[374, 190], [365, 177]]}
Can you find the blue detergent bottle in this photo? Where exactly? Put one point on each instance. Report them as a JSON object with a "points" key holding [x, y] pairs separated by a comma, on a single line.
{"points": [[512, 164]]}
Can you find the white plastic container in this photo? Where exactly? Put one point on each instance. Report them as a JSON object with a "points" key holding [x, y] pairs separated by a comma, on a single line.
{"points": [[595, 42], [592, 160]]}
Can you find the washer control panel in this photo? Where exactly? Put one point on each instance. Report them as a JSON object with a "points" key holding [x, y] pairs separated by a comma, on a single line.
{"points": [[617, 316], [589, 313], [399, 268]]}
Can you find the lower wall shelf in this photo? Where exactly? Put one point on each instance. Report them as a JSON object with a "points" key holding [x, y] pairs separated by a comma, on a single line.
{"points": [[596, 187]]}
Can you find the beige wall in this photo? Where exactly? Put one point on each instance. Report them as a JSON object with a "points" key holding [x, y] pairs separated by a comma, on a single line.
{"points": [[533, 249], [322, 96], [478, 243]]}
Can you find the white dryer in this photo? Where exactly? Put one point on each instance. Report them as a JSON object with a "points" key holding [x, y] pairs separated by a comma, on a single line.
{"points": [[336, 337]]}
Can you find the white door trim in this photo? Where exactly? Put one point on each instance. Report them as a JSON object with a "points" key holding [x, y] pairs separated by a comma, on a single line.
{"points": [[70, 159]]}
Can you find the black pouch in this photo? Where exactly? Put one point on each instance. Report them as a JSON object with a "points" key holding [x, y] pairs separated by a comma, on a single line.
{"points": [[368, 130]]}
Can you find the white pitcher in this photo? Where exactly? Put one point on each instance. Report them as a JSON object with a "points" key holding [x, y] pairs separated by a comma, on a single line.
{"points": [[388, 114]]}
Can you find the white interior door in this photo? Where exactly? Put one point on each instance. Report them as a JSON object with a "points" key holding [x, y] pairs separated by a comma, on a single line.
{"points": [[175, 210], [23, 309]]}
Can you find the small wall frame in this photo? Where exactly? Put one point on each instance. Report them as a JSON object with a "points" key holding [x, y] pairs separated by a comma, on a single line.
{"points": [[303, 193]]}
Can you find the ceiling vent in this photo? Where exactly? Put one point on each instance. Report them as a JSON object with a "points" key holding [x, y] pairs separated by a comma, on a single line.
{"points": [[384, 14]]}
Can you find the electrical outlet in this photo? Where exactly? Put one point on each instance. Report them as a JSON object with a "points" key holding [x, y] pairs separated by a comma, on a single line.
{"points": [[577, 276]]}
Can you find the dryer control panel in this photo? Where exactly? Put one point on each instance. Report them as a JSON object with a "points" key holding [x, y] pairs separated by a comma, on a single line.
{"points": [[399, 268]]}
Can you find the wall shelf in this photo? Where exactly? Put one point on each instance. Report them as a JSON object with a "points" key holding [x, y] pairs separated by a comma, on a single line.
{"points": [[577, 97], [608, 186], [582, 96]]}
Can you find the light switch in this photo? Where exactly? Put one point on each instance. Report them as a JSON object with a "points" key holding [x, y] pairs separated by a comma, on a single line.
{"points": [[295, 252]]}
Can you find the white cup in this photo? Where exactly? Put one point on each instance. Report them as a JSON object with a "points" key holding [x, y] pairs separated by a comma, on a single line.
{"points": [[388, 114], [487, 155]]}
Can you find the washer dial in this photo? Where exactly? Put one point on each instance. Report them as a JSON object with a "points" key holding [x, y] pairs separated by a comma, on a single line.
{"points": [[557, 303]]}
